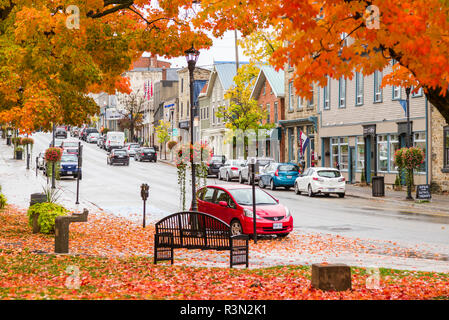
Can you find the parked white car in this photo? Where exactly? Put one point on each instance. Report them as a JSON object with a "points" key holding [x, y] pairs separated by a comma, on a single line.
{"points": [[231, 169], [321, 180], [93, 137]]}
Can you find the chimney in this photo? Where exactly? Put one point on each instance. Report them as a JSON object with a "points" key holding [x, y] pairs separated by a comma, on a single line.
{"points": [[153, 61], [164, 73]]}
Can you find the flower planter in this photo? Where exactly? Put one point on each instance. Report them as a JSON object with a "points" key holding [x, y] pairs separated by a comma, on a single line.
{"points": [[18, 154]]}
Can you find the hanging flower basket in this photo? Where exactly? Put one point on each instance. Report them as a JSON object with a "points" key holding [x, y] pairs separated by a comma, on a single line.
{"points": [[53, 154]]}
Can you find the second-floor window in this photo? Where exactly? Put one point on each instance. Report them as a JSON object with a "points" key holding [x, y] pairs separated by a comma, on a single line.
{"points": [[310, 101], [377, 86], [417, 94], [290, 96], [396, 94], [275, 112], [342, 92], [326, 95], [358, 89], [268, 113]]}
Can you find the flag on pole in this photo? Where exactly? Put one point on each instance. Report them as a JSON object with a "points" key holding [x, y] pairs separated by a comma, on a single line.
{"points": [[145, 90], [404, 105], [151, 88], [304, 142]]}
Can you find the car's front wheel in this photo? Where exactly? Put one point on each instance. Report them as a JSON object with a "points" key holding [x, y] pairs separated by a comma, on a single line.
{"points": [[240, 179], [272, 186], [341, 195], [236, 228], [261, 184], [228, 179], [219, 175]]}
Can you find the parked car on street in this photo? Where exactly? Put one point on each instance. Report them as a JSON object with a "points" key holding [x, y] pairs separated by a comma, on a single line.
{"points": [[146, 154], [118, 156], [114, 139], [321, 180], [215, 163], [279, 175], [244, 174], [230, 170], [70, 146], [92, 137], [132, 147], [61, 133], [69, 166], [86, 133], [233, 205]]}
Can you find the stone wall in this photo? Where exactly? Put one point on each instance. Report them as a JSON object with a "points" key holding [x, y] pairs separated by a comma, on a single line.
{"points": [[440, 179]]}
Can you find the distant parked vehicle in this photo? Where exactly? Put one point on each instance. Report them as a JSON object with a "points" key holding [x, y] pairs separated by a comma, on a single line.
{"points": [[230, 170], [132, 147], [146, 154], [70, 146], [321, 180], [114, 139], [61, 133], [92, 137], [279, 175], [120, 156], [215, 163], [244, 174], [88, 131]]}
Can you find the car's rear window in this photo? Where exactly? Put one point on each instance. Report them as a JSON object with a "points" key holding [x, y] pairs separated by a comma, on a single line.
{"points": [[70, 144], [134, 146], [147, 150], [120, 152], [329, 173], [263, 162], [288, 167], [69, 158]]}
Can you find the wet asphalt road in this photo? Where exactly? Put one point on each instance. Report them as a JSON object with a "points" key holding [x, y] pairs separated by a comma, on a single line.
{"points": [[116, 189]]}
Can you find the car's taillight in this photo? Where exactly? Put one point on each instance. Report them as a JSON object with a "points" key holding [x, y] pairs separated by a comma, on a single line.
{"points": [[341, 179], [276, 173], [234, 168], [318, 179], [142, 154]]}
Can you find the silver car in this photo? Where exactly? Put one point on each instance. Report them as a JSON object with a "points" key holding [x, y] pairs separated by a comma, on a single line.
{"points": [[261, 163], [131, 148], [231, 169]]}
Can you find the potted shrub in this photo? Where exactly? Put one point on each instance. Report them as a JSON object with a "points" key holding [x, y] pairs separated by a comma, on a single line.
{"points": [[44, 215], [18, 151]]}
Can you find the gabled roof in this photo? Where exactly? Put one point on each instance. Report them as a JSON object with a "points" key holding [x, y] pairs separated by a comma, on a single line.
{"points": [[275, 79]]}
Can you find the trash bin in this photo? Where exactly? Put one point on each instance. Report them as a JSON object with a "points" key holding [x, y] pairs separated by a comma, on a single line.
{"points": [[378, 185]]}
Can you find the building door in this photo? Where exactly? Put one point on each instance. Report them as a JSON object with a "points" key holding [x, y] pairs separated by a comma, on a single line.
{"points": [[351, 164], [368, 141], [291, 140]]}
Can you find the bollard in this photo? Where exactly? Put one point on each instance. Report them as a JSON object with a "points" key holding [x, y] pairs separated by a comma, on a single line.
{"points": [[62, 224], [328, 277]]}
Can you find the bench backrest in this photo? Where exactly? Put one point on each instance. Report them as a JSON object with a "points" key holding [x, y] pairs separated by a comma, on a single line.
{"points": [[195, 230]]}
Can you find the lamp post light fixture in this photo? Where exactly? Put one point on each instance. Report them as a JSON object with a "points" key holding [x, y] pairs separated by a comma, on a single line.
{"points": [[192, 57]]}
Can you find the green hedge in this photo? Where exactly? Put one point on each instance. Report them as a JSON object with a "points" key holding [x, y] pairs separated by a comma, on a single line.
{"points": [[47, 214], [2, 201]]}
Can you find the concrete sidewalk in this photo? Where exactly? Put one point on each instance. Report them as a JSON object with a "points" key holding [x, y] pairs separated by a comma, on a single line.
{"points": [[438, 202]]}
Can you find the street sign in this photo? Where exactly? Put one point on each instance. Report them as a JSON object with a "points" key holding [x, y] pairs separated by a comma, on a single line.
{"points": [[423, 192]]}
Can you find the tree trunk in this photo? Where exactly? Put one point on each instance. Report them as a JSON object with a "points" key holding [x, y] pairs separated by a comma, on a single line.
{"points": [[439, 102]]}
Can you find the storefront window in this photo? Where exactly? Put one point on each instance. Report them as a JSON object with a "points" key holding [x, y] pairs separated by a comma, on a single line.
{"points": [[334, 143], [419, 140], [394, 146], [382, 152], [340, 153]]}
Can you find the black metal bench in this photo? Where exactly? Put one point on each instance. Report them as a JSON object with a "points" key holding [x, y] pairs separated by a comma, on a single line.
{"points": [[196, 230]]}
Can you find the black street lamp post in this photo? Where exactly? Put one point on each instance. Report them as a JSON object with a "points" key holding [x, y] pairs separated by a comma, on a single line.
{"points": [[53, 178], [192, 57], [408, 143], [80, 172]]}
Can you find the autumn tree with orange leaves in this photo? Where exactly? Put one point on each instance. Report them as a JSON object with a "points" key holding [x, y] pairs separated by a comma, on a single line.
{"points": [[47, 69], [415, 33]]}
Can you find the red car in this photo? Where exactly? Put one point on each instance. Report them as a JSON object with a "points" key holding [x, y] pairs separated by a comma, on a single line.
{"points": [[233, 205]]}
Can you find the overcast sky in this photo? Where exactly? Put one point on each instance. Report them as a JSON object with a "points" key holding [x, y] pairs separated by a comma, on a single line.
{"points": [[223, 49]]}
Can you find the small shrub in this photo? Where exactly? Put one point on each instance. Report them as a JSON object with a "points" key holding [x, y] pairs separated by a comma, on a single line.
{"points": [[2, 201], [47, 214]]}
